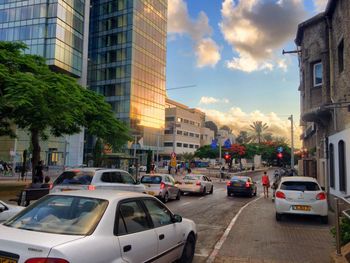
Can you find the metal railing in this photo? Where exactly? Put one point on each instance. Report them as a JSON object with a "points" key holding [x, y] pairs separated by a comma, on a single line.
{"points": [[339, 212]]}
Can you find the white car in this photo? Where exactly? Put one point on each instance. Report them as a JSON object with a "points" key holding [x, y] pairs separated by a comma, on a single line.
{"points": [[300, 195], [96, 178], [196, 183], [161, 186], [97, 226], [7, 211]]}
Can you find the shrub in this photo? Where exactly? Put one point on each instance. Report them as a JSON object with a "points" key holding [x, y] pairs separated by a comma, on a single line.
{"points": [[344, 231]]}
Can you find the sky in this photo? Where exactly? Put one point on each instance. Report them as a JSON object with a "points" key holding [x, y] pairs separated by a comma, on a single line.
{"points": [[231, 52]]}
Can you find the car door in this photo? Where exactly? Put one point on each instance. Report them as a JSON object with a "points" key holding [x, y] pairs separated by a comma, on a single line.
{"points": [[170, 235], [137, 239], [171, 186], [129, 182], [111, 180], [208, 183]]}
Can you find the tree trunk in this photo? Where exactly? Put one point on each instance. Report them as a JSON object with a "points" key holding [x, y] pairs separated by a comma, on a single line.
{"points": [[24, 163], [36, 150]]}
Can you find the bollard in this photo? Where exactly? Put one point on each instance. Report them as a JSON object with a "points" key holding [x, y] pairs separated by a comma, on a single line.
{"points": [[337, 227]]}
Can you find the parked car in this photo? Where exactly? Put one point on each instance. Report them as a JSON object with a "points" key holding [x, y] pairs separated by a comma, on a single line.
{"points": [[7, 211], [96, 178], [241, 185], [97, 226], [161, 186], [196, 183], [301, 195]]}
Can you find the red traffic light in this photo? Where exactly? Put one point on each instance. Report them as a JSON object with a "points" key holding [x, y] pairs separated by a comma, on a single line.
{"points": [[280, 155], [227, 157]]}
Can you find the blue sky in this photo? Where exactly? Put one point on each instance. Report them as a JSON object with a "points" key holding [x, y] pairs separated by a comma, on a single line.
{"points": [[232, 51]]}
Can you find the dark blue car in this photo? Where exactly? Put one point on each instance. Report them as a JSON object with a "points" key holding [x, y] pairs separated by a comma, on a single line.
{"points": [[241, 185]]}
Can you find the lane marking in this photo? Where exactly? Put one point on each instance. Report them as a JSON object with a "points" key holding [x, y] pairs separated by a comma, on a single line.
{"points": [[222, 240], [200, 255], [201, 198], [185, 203]]}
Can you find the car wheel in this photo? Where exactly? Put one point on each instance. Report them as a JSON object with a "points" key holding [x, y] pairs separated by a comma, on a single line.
{"points": [[166, 198], [278, 217], [182, 192], [324, 219], [178, 196], [188, 251], [204, 191], [211, 190]]}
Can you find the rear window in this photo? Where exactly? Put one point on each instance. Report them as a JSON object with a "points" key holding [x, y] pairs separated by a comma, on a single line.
{"points": [[300, 186], [75, 177], [240, 180], [192, 177], [151, 179]]}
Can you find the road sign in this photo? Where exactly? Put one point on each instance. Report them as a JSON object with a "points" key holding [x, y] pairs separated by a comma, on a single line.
{"points": [[280, 149], [173, 155]]}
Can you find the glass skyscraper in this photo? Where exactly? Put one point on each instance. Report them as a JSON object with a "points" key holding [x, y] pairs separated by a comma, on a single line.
{"points": [[58, 31], [127, 59]]}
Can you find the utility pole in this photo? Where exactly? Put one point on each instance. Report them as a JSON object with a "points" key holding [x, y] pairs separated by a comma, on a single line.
{"points": [[292, 142]]}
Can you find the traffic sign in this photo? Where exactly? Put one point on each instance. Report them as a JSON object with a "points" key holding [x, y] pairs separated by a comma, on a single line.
{"points": [[280, 149]]}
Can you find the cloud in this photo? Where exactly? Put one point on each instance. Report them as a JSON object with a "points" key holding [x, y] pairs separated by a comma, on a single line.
{"points": [[320, 5], [180, 23], [211, 100], [238, 121], [257, 29]]}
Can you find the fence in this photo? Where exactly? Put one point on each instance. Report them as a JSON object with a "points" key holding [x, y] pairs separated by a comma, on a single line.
{"points": [[342, 208]]}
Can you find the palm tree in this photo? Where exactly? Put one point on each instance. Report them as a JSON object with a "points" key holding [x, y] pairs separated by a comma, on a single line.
{"points": [[258, 131], [243, 137]]}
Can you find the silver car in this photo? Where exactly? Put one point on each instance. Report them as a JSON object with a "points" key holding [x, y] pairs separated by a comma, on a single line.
{"points": [[196, 183], [161, 186]]}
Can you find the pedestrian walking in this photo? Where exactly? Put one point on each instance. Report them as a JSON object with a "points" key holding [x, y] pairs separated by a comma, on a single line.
{"points": [[266, 184], [222, 172]]}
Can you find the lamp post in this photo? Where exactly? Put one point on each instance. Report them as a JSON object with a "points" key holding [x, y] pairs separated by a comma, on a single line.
{"points": [[292, 142]]}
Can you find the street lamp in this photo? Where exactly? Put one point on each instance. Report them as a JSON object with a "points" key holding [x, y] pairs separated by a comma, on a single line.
{"points": [[292, 142]]}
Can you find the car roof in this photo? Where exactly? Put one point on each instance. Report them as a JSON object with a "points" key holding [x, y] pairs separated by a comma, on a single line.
{"points": [[298, 179], [92, 169], [155, 175], [109, 195]]}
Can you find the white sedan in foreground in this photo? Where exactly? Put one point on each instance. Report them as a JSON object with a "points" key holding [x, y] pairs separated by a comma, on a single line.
{"points": [[300, 195], [97, 226], [7, 211]]}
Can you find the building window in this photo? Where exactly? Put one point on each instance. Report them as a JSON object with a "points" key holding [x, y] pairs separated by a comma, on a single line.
{"points": [[168, 132], [179, 144], [331, 165], [169, 118], [185, 145], [197, 135], [168, 144], [179, 132], [191, 146], [196, 146], [179, 119], [185, 133], [342, 166], [186, 121], [317, 74], [191, 134], [341, 56]]}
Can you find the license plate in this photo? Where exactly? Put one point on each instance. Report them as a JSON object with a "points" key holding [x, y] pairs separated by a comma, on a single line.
{"points": [[301, 207], [150, 192], [236, 184], [7, 260]]}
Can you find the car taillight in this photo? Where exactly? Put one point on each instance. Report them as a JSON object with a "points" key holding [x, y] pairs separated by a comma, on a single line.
{"points": [[321, 196], [198, 183], [46, 260], [91, 187], [228, 183], [162, 185], [280, 194], [247, 184], [50, 186]]}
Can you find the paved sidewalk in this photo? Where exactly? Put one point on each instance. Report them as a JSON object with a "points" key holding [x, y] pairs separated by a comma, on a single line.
{"points": [[258, 237]]}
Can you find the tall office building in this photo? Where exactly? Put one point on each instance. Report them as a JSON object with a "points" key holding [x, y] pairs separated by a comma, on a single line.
{"points": [[127, 58], [58, 31]]}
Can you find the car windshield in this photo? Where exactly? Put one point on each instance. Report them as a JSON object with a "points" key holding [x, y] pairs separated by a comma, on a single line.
{"points": [[151, 179], [68, 215], [299, 186], [192, 177], [75, 177], [239, 179]]}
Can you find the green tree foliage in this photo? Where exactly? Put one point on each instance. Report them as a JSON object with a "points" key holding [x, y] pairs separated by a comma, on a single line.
{"points": [[258, 130], [243, 137], [212, 126], [187, 157], [42, 101], [97, 153], [207, 152]]}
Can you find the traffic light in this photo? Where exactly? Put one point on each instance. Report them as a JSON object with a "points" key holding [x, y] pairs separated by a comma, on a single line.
{"points": [[227, 157], [279, 155]]}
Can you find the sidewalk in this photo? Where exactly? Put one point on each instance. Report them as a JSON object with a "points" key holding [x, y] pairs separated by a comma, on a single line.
{"points": [[258, 237]]}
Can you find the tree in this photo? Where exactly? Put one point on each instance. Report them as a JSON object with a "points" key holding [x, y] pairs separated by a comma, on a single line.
{"points": [[226, 128], [243, 137], [212, 126], [207, 152], [187, 157], [258, 131], [97, 153], [36, 99]]}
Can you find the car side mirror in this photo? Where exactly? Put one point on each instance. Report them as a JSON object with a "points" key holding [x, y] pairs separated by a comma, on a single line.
{"points": [[177, 219]]}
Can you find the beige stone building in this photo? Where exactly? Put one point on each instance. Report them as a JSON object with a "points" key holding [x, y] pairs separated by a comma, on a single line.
{"points": [[184, 129], [324, 57]]}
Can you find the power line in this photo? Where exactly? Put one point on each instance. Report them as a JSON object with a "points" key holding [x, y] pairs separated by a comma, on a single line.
{"points": [[183, 87]]}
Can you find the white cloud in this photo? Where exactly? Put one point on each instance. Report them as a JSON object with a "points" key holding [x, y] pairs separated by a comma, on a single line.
{"points": [[238, 121], [179, 22], [320, 5], [211, 100], [257, 29]]}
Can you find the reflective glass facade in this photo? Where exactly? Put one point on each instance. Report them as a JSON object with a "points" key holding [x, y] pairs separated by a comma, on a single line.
{"points": [[127, 54], [53, 29]]}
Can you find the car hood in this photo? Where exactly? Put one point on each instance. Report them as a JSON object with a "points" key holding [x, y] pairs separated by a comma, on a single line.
{"points": [[31, 243]]}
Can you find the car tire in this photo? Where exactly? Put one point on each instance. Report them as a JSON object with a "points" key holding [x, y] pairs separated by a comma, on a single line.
{"points": [[182, 192], [204, 191], [166, 198], [324, 220], [188, 251], [178, 196], [278, 217], [211, 190]]}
